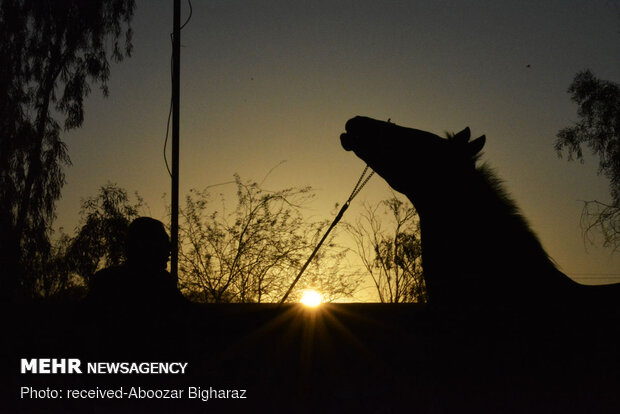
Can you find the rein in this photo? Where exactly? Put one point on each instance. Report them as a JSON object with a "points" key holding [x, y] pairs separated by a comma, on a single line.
{"points": [[358, 187]]}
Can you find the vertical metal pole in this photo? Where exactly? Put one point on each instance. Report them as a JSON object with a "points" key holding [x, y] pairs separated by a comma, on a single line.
{"points": [[176, 63]]}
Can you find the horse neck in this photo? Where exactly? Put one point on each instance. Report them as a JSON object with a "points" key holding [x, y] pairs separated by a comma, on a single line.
{"points": [[470, 226]]}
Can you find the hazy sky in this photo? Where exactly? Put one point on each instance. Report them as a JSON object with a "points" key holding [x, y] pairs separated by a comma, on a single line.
{"points": [[267, 81]]}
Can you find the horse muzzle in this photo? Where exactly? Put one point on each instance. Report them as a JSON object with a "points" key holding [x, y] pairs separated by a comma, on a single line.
{"points": [[346, 140]]}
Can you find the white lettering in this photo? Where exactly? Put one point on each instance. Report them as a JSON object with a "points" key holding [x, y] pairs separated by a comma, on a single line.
{"points": [[51, 366], [74, 366], [29, 392], [44, 366], [29, 366]]}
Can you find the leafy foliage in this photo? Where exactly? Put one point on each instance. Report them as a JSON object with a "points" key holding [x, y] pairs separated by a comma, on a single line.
{"points": [[100, 239], [55, 275], [599, 128], [52, 51], [251, 254], [603, 218], [393, 256]]}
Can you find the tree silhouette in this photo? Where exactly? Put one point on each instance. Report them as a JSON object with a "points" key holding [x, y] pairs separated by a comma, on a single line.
{"points": [[392, 256], [599, 128], [52, 51], [252, 253], [98, 242], [55, 275], [100, 239]]}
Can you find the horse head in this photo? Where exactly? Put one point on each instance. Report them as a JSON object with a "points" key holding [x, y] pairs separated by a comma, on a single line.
{"points": [[412, 161]]}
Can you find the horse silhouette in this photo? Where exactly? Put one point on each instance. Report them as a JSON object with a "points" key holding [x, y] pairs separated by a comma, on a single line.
{"points": [[478, 251]]}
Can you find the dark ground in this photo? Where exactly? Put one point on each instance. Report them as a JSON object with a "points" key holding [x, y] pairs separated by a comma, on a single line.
{"points": [[337, 358]]}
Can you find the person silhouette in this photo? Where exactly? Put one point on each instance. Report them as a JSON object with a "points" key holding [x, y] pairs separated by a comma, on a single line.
{"points": [[142, 282]]}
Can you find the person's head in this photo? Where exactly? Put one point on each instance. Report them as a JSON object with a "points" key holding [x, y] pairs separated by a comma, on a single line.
{"points": [[147, 243]]}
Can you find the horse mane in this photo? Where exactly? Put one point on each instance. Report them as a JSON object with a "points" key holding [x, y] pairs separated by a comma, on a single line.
{"points": [[489, 182], [487, 174], [495, 187]]}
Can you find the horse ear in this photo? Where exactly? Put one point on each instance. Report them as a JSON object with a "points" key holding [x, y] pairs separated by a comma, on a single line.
{"points": [[476, 145], [463, 136]]}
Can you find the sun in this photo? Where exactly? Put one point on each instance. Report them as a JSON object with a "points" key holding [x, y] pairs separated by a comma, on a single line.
{"points": [[311, 298]]}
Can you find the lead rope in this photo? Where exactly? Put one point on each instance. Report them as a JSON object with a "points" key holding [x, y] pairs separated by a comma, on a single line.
{"points": [[358, 187]]}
